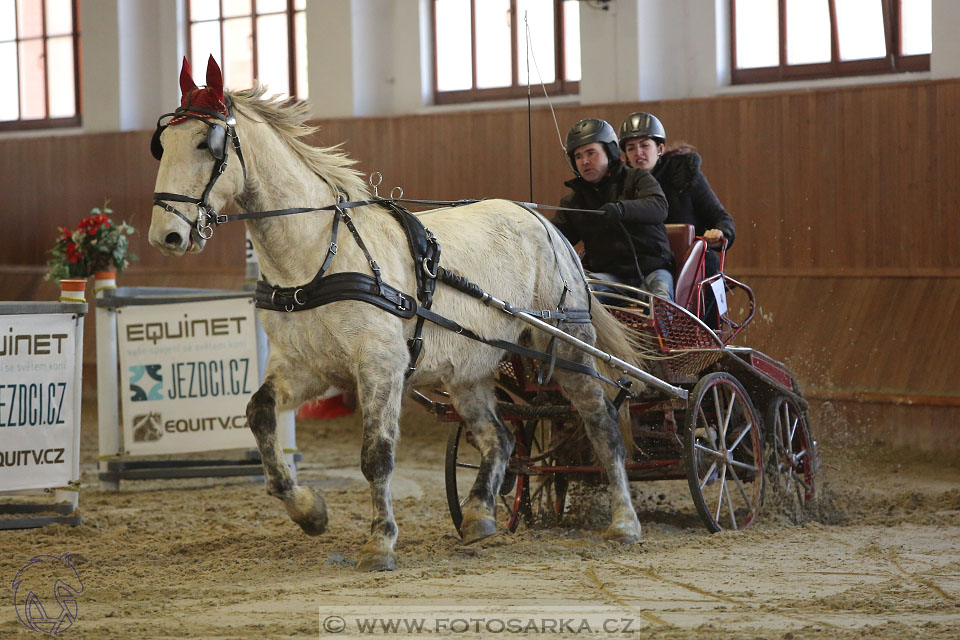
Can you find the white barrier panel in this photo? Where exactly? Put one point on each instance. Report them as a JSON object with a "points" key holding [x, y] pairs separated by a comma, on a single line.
{"points": [[187, 372], [39, 400]]}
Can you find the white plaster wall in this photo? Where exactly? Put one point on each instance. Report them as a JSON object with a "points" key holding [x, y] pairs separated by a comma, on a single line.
{"points": [[945, 60], [100, 71], [374, 57], [386, 56], [330, 52]]}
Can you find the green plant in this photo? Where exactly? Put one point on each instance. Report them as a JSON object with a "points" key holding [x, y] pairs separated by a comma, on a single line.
{"points": [[97, 244]]}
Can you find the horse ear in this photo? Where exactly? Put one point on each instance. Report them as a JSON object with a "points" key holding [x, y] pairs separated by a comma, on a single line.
{"points": [[186, 78], [214, 77]]}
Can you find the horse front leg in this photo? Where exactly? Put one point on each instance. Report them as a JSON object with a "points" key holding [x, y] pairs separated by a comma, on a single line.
{"points": [[476, 404], [380, 394], [305, 507]]}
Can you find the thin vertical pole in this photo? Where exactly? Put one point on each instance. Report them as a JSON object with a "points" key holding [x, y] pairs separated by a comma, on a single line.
{"points": [[526, 25]]}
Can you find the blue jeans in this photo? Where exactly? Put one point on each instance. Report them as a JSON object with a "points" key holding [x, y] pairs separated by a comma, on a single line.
{"points": [[658, 282]]}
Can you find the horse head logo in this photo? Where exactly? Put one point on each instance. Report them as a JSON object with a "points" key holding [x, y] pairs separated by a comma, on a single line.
{"points": [[45, 593]]}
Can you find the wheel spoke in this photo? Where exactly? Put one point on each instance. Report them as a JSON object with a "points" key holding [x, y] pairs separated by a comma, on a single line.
{"points": [[744, 465], [707, 450], [719, 411], [733, 517], [723, 483], [729, 413], [743, 490], [466, 465], [706, 476], [745, 431], [706, 427]]}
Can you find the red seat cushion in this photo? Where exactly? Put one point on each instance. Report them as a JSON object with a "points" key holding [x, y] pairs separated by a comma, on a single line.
{"points": [[689, 252]]}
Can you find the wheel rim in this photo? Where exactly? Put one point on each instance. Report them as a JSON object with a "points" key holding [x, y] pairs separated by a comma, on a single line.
{"points": [[724, 458], [794, 451]]}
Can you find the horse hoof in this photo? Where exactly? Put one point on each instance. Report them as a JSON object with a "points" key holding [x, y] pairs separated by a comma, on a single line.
{"points": [[477, 530], [377, 562], [623, 534], [308, 510]]}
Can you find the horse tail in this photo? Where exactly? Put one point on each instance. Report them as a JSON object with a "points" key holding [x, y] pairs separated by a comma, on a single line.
{"points": [[614, 338]]}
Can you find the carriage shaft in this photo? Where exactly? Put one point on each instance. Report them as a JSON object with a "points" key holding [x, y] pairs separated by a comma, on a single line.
{"points": [[613, 361]]}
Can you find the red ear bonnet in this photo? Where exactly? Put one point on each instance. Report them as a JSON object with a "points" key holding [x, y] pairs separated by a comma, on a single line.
{"points": [[211, 96]]}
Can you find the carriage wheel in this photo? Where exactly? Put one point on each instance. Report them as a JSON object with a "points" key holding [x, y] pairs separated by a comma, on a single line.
{"points": [[793, 456], [461, 466], [724, 453]]}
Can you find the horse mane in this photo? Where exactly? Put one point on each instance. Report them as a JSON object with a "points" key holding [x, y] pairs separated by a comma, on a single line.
{"points": [[331, 164]]}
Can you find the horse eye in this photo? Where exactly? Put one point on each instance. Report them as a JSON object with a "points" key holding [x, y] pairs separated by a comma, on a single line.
{"points": [[203, 145]]}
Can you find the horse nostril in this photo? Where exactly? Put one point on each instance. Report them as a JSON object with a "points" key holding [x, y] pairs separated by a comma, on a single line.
{"points": [[173, 239]]}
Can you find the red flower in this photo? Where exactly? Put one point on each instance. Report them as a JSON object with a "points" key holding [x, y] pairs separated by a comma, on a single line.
{"points": [[92, 224], [73, 256]]}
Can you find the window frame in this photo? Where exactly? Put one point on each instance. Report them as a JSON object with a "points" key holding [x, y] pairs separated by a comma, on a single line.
{"points": [[290, 13], [560, 86], [893, 62], [21, 124]]}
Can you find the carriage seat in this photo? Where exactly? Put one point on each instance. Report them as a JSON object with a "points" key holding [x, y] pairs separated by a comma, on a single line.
{"points": [[689, 252]]}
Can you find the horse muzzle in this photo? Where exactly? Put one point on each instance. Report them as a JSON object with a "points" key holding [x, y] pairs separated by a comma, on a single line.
{"points": [[172, 236]]}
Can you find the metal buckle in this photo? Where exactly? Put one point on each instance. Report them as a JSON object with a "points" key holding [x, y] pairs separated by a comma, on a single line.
{"points": [[426, 268], [204, 228], [333, 248], [374, 181], [296, 297]]}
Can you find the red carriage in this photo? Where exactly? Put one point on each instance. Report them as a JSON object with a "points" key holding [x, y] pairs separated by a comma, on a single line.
{"points": [[742, 426]]}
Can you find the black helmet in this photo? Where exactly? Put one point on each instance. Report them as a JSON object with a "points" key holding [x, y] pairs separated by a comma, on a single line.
{"points": [[642, 125], [593, 130]]}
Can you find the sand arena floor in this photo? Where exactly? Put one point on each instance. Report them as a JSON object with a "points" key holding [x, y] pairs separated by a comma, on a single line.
{"points": [[220, 559]]}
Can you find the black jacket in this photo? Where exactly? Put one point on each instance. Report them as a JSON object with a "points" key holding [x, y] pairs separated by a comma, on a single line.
{"points": [[689, 195], [606, 248]]}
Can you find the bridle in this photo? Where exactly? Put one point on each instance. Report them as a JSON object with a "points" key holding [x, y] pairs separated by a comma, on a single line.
{"points": [[218, 143]]}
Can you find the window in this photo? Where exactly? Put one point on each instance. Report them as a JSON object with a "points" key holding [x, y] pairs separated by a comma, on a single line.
{"points": [[263, 39], [795, 39], [480, 48], [38, 64]]}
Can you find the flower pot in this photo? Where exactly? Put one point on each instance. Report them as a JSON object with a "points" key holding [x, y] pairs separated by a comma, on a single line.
{"points": [[103, 280], [73, 290]]}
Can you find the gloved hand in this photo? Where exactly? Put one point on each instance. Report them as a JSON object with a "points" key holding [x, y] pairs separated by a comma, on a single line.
{"points": [[613, 211]]}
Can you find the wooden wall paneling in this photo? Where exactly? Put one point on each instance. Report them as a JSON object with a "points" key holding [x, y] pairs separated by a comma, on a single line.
{"points": [[944, 181], [867, 334], [762, 172]]}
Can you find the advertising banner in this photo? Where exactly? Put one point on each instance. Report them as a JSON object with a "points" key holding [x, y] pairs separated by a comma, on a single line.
{"points": [[187, 372], [37, 395]]}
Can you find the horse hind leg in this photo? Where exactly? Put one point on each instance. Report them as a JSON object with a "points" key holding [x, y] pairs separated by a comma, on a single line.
{"points": [[476, 404], [305, 506], [602, 427], [380, 393]]}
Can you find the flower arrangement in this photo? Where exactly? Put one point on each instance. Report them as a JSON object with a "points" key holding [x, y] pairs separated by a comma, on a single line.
{"points": [[97, 244]]}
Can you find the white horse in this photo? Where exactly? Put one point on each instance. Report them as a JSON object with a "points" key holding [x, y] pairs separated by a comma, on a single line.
{"points": [[502, 247]]}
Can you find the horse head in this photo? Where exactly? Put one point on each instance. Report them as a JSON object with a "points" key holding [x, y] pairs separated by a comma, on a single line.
{"points": [[195, 180]]}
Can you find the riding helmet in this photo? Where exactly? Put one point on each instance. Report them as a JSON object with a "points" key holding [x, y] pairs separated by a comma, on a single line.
{"points": [[642, 125], [593, 130]]}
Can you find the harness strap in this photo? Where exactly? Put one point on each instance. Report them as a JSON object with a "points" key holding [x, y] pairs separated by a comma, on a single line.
{"points": [[335, 287], [510, 347]]}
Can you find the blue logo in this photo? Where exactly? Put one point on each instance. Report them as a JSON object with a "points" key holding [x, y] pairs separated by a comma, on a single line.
{"points": [[45, 594], [151, 387]]}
